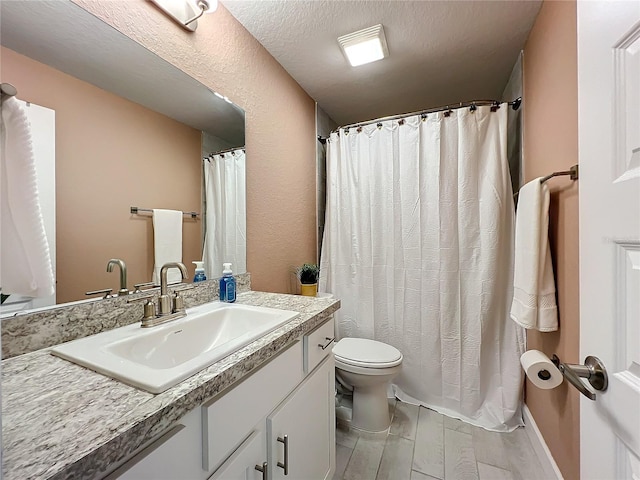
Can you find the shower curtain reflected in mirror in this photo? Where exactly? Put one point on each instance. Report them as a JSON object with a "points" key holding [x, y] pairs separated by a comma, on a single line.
{"points": [[418, 247], [225, 237]]}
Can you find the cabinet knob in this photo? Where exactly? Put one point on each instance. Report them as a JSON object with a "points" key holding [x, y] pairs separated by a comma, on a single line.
{"points": [[285, 466], [263, 469]]}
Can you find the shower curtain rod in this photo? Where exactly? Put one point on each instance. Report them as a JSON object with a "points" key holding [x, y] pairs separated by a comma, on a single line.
{"points": [[8, 90], [221, 152], [515, 104]]}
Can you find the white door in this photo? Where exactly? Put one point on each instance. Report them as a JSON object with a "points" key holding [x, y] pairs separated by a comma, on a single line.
{"points": [[609, 145]]}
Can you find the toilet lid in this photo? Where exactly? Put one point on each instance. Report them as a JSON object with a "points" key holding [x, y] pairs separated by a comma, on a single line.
{"points": [[362, 352]]}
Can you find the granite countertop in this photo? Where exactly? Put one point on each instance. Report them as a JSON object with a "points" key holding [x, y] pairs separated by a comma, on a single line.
{"points": [[61, 420]]}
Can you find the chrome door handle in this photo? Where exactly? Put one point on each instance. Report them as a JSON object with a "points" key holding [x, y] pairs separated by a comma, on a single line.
{"points": [[593, 370], [263, 469], [326, 345], [285, 466]]}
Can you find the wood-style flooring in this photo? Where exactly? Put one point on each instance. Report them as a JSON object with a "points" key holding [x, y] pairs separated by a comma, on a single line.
{"points": [[425, 445]]}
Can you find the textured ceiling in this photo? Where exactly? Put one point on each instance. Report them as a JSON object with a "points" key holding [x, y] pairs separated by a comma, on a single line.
{"points": [[441, 52]]}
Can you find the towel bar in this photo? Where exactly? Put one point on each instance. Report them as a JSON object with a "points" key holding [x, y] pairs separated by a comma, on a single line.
{"points": [[137, 210], [572, 173]]}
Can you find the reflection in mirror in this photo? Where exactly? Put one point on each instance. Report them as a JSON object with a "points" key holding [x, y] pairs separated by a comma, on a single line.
{"points": [[225, 227], [126, 128]]}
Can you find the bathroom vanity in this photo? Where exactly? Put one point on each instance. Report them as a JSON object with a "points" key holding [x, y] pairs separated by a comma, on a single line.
{"points": [[264, 411]]}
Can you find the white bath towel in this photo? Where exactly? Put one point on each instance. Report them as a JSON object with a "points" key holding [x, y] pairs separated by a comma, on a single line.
{"points": [[167, 243], [25, 260], [534, 289]]}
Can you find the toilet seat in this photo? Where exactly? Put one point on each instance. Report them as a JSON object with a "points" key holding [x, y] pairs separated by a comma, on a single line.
{"points": [[367, 371], [365, 353]]}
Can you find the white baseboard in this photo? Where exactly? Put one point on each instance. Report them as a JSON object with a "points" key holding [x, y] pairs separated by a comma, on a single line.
{"points": [[540, 447]]}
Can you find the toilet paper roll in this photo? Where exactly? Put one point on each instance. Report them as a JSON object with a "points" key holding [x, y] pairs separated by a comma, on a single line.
{"points": [[540, 370]]}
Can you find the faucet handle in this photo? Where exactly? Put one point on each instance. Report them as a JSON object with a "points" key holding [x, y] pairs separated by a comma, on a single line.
{"points": [[141, 298], [181, 287], [105, 291], [178, 302], [149, 310], [138, 286]]}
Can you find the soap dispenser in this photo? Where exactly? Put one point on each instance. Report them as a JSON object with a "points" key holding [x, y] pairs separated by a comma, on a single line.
{"points": [[200, 276], [227, 285]]}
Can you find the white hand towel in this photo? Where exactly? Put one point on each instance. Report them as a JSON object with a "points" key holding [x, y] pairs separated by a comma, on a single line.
{"points": [[534, 289], [25, 260], [167, 243]]}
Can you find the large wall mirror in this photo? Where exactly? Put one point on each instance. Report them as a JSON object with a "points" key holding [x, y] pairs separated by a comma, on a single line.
{"points": [[124, 128]]}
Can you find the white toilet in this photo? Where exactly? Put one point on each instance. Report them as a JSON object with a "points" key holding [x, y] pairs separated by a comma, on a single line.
{"points": [[368, 366]]}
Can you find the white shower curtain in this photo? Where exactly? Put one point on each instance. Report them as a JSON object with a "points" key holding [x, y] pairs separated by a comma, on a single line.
{"points": [[418, 247], [226, 214]]}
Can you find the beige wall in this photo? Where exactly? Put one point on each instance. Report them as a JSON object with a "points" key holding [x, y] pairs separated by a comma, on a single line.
{"points": [[551, 144], [280, 127], [110, 154]]}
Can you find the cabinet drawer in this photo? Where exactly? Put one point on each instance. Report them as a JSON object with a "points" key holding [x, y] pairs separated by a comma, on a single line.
{"points": [[227, 419], [318, 344]]}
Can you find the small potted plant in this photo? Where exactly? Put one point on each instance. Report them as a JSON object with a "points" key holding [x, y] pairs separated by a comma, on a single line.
{"points": [[308, 276]]}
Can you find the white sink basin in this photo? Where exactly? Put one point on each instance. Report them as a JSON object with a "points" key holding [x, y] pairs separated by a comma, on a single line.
{"points": [[160, 357]]}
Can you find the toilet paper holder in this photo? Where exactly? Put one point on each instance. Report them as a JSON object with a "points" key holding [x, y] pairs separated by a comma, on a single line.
{"points": [[593, 370]]}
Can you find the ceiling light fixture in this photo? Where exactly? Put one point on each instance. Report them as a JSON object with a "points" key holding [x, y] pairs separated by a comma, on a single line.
{"points": [[186, 12], [364, 46]]}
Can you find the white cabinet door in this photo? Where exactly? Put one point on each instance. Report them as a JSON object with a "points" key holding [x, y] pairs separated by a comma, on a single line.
{"points": [[228, 420], [307, 419], [242, 464]]}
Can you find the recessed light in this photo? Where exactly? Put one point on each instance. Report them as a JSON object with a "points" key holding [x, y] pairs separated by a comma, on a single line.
{"points": [[364, 46]]}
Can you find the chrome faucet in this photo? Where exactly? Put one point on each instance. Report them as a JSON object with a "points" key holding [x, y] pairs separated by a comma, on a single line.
{"points": [[123, 274], [164, 301], [168, 308]]}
